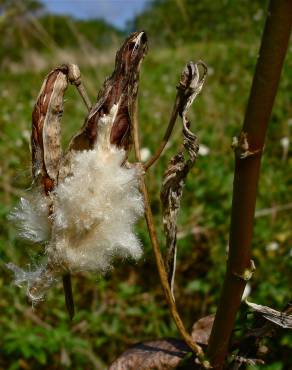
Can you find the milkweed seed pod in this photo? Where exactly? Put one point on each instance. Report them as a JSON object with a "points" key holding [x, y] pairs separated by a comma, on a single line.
{"points": [[85, 201]]}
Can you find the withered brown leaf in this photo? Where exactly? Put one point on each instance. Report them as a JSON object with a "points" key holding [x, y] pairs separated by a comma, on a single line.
{"points": [[201, 329], [165, 354], [179, 166], [282, 319]]}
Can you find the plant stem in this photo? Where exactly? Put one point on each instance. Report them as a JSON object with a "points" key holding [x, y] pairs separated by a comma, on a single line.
{"points": [[74, 77], [156, 250], [69, 301], [167, 134], [82, 92], [247, 167]]}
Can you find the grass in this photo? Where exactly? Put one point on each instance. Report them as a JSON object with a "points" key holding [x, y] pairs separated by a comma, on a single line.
{"points": [[127, 305]]}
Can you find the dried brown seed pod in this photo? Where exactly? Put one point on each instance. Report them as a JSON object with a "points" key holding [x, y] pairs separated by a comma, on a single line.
{"points": [[46, 131], [119, 89]]}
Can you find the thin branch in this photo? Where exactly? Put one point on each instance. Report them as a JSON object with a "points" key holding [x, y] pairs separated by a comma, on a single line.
{"points": [[248, 150], [273, 210], [82, 92], [68, 292], [74, 77], [167, 134], [158, 257]]}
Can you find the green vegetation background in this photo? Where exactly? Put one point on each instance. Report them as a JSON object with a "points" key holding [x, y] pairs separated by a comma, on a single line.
{"points": [[127, 305]]}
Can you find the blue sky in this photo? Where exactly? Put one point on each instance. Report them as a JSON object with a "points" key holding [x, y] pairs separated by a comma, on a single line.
{"points": [[117, 12]]}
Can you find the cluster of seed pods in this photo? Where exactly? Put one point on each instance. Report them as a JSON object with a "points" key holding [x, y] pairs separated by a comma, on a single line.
{"points": [[107, 128]]}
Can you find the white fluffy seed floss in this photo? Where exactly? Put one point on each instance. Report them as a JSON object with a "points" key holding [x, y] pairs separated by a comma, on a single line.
{"points": [[92, 215]]}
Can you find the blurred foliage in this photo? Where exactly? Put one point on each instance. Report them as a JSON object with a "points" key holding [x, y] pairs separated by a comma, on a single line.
{"points": [[180, 21], [26, 25], [127, 305]]}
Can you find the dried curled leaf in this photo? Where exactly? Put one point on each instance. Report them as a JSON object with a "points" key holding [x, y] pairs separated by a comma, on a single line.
{"points": [[201, 329], [163, 354], [179, 166], [281, 319]]}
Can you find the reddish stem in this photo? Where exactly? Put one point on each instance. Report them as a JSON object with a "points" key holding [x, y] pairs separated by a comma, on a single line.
{"points": [[247, 168]]}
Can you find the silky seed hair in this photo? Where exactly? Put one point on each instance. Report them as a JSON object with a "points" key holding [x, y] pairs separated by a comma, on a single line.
{"points": [[85, 202]]}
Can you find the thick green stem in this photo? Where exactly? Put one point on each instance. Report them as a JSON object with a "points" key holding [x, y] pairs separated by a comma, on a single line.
{"points": [[248, 150]]}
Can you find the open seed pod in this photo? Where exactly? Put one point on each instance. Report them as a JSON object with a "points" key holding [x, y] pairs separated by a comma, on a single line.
{"points": [[84, 203]]}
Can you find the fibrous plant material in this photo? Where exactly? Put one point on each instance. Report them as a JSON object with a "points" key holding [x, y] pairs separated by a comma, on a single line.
{"points": [[85, 202], [97, 205]]}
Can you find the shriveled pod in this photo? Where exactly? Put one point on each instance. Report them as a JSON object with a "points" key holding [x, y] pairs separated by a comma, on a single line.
{"points": [[118, 94], [34, 214]]}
